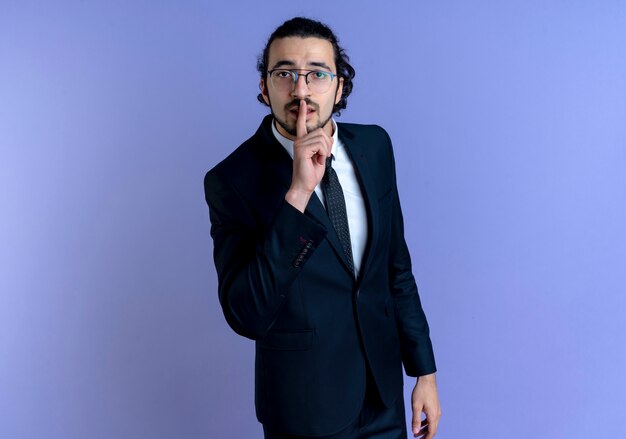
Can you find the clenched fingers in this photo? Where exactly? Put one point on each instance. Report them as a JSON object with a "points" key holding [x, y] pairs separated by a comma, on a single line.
{"points": [[315, 143]]}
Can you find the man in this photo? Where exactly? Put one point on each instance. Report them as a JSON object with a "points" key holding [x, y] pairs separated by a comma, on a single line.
{"points": [[311, 258]]}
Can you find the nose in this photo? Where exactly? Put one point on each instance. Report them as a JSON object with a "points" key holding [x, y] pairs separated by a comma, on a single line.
{"points": [[300, 88]]}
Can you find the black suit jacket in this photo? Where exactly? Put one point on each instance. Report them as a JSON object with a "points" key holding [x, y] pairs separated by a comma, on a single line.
{"points": [[284, 282]]}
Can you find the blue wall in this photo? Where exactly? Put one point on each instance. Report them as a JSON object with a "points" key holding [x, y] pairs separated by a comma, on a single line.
{"points": [[509, 123]]}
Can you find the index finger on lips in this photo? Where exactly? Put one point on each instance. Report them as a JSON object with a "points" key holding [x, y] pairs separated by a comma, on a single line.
{"points": [[301, 122]]}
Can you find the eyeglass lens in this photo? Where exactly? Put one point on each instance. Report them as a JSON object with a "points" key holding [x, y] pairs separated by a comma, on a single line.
{"points": [[318, 81]]}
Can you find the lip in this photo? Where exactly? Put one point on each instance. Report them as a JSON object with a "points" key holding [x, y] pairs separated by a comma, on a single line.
{"points": [[294, 111]]}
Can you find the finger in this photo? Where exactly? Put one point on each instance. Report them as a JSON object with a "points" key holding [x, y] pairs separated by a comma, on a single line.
{"points": [[432, 416], [424, 429], [328, 142], [431, 427], [318, 133], [417, 422], [301, 122], [422, 432], [321, 157], [317, 142], [432, 430], [318, 147]]}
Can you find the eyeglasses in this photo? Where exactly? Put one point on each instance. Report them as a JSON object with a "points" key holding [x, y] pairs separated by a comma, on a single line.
{"points": [[318, 81]]}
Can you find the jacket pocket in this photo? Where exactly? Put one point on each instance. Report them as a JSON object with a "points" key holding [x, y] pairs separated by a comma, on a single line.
{"points": [[298, 340]]}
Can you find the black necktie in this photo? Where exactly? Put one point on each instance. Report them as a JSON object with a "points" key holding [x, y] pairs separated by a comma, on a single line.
{"points": [[336, 208]]}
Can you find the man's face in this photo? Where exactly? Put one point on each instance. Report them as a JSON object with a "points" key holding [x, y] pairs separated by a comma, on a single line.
{"points": [[302, 55]]}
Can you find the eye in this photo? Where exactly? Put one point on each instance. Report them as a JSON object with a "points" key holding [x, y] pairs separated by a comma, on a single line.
{"points": [[320, 75], [282, 74]]}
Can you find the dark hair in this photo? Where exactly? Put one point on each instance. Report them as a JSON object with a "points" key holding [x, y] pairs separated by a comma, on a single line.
{"points": [[305, 27]]}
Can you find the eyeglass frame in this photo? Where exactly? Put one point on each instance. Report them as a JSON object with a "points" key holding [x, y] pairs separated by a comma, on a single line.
{"points": [[295, 75]]}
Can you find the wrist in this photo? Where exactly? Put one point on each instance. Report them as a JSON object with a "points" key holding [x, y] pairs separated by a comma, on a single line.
{"points": [[298, 198], [430, 378]]}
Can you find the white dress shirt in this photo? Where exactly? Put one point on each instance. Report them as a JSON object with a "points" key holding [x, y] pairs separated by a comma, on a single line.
{"points": [[355, 204]]}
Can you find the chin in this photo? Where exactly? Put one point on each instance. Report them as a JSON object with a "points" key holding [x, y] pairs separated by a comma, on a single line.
{"points": [[291, 129]]}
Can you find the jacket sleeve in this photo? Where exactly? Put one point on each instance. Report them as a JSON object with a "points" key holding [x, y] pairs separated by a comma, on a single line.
{"points": [[256, 264], [416, 348]]}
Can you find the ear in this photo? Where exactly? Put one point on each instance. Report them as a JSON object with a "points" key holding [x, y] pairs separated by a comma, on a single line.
{"points": [[264, 93], [339, 91]]}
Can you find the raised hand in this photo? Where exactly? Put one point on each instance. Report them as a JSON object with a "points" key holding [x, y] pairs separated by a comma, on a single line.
{"points": [[309, 158]]}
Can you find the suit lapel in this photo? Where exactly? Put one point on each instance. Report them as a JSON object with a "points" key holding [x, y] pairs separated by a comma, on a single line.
{"points": [[357, 150]]}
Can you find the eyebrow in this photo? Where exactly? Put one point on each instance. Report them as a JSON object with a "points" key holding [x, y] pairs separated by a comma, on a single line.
{"points": [[290, 63]]}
